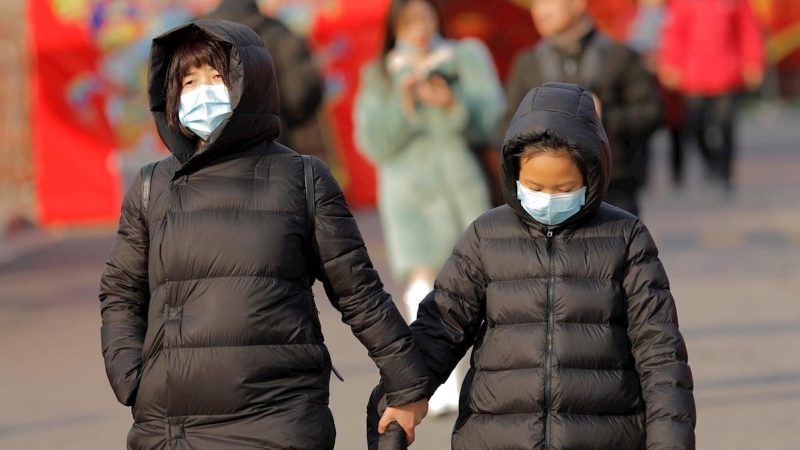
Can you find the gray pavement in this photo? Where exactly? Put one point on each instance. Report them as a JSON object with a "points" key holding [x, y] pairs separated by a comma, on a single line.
{"points": [[734, 266]]}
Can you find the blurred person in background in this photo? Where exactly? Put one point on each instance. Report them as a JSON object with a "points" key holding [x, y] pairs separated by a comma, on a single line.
{"points": [[300, 83], [572, 50], [418, 110], [645, 38], [210, 331], [712, 50]]}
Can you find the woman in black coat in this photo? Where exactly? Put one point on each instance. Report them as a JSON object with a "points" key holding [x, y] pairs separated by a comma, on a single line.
{"points": [[210, 330], [575, 333]]}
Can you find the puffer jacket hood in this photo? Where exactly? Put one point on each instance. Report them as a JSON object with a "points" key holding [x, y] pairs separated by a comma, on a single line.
{"points": [[568, 112], [254, 94]]}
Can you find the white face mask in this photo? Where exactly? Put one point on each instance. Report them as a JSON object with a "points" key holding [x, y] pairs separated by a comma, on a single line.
{"points": [[204, 108], [551, 209]]}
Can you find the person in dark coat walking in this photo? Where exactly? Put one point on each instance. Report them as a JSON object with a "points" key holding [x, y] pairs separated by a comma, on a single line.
{"points": [[575, 331], [572, 50], [210, 331], [300, 82]]}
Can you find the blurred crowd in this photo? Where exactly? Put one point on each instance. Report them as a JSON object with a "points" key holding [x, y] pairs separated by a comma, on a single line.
{"points": [[428, 103], [429, 107]]}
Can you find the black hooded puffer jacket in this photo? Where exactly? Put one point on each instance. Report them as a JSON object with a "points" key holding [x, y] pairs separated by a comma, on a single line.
{"points": [[209, 325], [575, 333]]}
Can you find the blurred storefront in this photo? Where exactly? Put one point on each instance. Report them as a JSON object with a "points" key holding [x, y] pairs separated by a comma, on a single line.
{"points": [[91, 129]]}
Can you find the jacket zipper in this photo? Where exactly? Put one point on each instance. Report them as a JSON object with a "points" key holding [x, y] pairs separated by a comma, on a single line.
{"points": [[548, 395]]}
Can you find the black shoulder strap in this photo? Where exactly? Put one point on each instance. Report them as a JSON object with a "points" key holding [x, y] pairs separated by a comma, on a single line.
{"points": [[147, 182], [311, 215], [311, 206]]}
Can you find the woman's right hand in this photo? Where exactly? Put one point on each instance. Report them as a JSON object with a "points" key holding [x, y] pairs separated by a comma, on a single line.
{"points": [[407, 416], [408, 98], [436, 92]]}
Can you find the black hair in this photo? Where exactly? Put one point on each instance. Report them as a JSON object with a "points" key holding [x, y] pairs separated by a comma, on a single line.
{"points": [[197, 49], [390, 37], [548, 143]]}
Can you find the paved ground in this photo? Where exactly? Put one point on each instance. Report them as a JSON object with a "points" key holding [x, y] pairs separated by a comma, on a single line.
{"points": [[734, 267]]}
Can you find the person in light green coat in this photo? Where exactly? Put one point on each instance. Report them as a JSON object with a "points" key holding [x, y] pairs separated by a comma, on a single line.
{"points": [[420, 109]]}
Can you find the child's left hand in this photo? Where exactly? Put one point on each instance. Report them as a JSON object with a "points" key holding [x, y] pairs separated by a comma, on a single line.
{"points": [[407, 416]]}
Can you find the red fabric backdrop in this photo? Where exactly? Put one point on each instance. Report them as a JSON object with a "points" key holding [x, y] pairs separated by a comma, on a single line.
{"points": [[79, 184], [75, 182], [348, 37]]}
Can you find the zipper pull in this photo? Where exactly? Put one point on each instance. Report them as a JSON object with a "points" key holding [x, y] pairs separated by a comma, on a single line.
{"points": [[549, 234]]}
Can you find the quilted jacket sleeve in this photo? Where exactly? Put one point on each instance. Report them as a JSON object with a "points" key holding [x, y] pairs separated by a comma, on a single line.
{"points": [[355, 290], [124, 298], [658, 348], [450, 317]]}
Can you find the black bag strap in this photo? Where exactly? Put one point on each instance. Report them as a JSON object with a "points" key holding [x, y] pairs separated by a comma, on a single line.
{"points": [[311, 216], [147, 182], [311, 206]]}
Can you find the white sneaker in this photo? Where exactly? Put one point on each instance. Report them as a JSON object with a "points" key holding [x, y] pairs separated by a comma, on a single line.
{"points": [[445, 400], [414, 295]]}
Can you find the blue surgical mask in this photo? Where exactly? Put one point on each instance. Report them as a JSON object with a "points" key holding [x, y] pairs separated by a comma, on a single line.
{"points": [[204, 108], [551, 209]]}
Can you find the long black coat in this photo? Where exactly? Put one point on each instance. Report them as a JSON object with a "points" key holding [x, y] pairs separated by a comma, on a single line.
{"points": [[575, 333], [632, 107], [209, 327]]}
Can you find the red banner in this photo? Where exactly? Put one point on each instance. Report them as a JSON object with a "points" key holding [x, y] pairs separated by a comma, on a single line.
{"points": [[76, 183], [347, 37], [90, 123]]}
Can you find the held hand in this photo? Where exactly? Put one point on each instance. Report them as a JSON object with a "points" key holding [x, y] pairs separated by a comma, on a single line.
{"points": [[436, 92], [407, 416]]}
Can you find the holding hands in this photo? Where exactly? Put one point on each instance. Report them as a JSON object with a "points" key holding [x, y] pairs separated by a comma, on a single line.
{"points": [[407, 416]]}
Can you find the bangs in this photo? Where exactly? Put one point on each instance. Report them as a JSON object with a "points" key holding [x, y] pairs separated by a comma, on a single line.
{"points": [[197, 50], [532, 145]]}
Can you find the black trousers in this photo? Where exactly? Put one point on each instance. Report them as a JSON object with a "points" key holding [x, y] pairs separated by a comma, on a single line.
{"points": [[710, 121]]}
